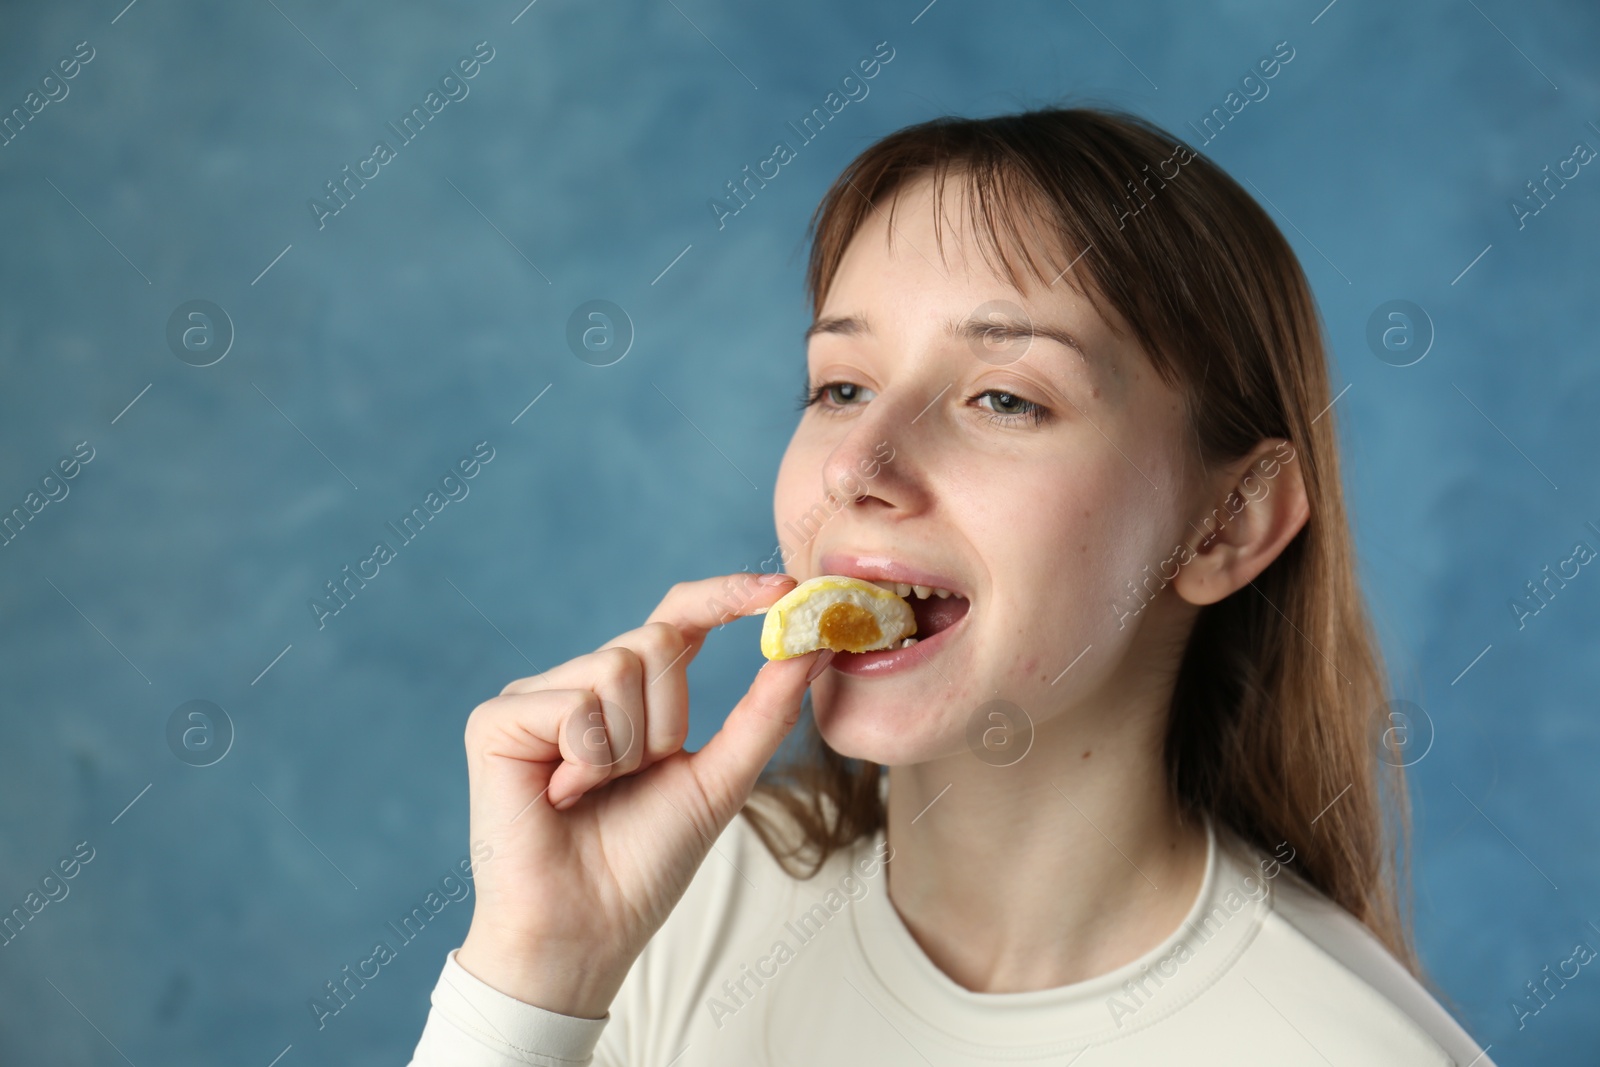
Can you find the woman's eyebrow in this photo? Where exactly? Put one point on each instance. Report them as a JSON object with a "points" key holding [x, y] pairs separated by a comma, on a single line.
{"points": [[1012, 329], [845, 325], [995, 327]]}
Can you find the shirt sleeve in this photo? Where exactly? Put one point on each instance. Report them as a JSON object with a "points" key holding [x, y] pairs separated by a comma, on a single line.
{"points": [[472, 1024]]}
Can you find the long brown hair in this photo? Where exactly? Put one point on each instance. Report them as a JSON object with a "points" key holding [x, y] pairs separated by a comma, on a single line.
{"points": [[1282, 690]]}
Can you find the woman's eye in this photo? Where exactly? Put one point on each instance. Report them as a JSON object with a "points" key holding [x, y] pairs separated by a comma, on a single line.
{"points": [[1003, 407], [837, 395], [1009, 407]]}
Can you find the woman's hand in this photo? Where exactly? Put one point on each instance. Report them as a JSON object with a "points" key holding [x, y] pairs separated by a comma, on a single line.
{"points": [[597, 817]]}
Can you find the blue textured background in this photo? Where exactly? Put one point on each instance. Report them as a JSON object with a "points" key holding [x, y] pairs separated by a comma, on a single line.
{"points": [[408, 329]]}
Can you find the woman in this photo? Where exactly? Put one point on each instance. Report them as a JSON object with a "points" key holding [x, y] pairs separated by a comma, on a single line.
{"points": [[1120, 801]]}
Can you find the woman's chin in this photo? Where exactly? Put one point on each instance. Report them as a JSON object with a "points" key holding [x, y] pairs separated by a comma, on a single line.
{"points": [[884, 732]]}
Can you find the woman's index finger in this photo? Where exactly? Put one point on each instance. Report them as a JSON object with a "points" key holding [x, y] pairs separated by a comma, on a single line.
{"points": [[698, 607]]}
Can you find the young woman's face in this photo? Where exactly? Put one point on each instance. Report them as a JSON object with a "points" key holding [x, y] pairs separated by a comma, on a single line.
{"points": [[1031, 478]]}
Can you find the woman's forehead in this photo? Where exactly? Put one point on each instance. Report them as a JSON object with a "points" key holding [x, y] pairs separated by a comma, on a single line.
{"points": [[993, 230]]}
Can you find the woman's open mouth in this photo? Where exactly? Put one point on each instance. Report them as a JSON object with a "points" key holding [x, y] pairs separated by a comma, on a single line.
{"points": [[938, 612]]}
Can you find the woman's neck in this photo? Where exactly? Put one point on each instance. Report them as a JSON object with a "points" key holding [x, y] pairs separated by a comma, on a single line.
{"points": [[1065, 865]]}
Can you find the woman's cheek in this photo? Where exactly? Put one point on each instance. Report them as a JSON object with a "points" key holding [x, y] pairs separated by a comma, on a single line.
{"points": [[786, 506], [1082, 568]]}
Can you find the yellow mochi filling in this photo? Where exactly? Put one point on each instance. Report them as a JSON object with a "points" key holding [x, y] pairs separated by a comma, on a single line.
{"points": [[845, 626], [838, 612]]}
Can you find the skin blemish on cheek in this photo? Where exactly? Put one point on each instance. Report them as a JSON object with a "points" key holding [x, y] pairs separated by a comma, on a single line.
{"points": [[1085, 754]]}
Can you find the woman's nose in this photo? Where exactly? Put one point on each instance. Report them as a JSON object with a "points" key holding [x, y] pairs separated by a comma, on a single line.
{"points": [[875, 460], [853, 468]]}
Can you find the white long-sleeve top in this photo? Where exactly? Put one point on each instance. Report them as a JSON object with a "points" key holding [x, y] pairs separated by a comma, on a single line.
{"points": [[757, 967]]}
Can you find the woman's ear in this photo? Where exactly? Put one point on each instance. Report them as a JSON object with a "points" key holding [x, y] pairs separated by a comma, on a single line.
{"points": [[1263, 507]]}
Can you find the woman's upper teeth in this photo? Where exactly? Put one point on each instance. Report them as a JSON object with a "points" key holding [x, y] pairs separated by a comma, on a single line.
{"points": [[922, 591]]}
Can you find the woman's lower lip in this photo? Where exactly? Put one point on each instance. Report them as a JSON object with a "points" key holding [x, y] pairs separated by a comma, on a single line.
{"points": [[894, 660]]}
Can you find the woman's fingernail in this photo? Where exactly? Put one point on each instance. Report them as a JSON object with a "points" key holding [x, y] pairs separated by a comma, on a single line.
{"points": [[564, 803], [774, 579], [819, 665]]}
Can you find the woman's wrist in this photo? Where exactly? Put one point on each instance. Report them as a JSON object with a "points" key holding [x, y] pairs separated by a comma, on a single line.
{"points": [[545, 976]]}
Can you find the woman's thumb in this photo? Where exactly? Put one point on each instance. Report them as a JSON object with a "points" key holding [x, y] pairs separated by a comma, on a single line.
{"points": [[729, 764]]}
